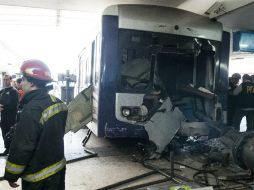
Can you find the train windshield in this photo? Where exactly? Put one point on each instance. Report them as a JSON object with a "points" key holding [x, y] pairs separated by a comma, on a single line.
{"points": [[171, 61]]}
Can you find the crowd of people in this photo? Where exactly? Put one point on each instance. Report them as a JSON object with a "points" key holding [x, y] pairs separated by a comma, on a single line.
{"points": [[241, 101]]}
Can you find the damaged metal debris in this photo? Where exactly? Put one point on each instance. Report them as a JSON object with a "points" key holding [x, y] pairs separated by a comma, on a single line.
{"points": [[198, 163]]}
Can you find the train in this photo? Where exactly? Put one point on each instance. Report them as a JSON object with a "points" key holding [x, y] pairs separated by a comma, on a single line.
{"points": [[152, 72]]}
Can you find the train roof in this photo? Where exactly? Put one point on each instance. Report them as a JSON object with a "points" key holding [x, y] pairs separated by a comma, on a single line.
{"points": [[165, 20]]}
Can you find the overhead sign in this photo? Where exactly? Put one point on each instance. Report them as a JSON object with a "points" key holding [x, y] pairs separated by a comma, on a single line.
{"points": [[243, 41]]}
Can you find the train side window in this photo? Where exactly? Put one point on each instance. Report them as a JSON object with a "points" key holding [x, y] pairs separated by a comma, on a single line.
{"points": [[97, 58], [93, 62], [88, 72], [85, 69]]}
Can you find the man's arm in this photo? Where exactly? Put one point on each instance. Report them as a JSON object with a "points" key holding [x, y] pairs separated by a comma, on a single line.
{"points": [[14, 100], [1, 107], [1, 104], [9, 100], [22, 147]]}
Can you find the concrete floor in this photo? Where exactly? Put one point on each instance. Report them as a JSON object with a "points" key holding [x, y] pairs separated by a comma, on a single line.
{"points": [[112, 164]]}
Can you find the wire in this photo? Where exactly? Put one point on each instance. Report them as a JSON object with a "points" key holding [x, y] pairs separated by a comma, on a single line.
{"points": [[187, 166], [206, 178], [241, 185], [146, 184], [127, 180], [117, 184]]}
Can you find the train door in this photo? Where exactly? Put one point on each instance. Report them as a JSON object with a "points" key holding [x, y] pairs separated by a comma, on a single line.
{"points": [[95, 77], [79, 111]]}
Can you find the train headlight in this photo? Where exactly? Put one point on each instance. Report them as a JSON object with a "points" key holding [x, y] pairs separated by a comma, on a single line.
{"points": [[126, 112], [134, 113], [143, 110]]}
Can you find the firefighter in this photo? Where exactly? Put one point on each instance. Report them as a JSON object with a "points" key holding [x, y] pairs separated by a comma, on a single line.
{"points": [[234, 80], [232, 99], [245, 103], [37, 149], [252, 78], [8, 109]]}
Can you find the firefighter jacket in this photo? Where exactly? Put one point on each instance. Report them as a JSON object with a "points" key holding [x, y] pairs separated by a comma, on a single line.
{"points": [[9, 100], [37, 149], [247, 95]]}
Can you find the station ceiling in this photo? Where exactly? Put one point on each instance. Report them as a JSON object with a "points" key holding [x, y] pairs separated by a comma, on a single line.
{"points": [[84, 5], [232, 13]]}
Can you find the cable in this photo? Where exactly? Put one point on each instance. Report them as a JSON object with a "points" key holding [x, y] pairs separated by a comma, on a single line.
{"points": [[127, 180], [117, 184], [146, 184], [187, 166], [206, 179], [242, 184]]}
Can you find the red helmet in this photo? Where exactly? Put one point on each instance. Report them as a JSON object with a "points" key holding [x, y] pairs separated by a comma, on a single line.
{"points": [[36, 69]]}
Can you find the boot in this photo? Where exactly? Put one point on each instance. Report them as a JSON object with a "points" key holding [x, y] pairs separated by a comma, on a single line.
{"points": [[5, 153]]}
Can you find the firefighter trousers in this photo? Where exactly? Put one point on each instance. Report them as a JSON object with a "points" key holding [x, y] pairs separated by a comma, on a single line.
{"points": [[239, 114]]}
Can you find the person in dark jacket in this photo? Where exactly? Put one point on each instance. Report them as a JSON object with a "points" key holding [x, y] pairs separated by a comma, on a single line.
{"points": [[8, 109], [245, 103], [234, 80], [21, 93], [232, 99], [37, 149]]}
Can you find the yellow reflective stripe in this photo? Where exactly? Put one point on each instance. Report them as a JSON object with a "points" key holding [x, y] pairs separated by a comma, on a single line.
{"points": [[46, 172], [14, 168], [51, 111], [53, 98]]}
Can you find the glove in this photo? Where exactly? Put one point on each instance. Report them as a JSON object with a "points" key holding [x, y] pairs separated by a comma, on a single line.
{"points": [[13, 184]]}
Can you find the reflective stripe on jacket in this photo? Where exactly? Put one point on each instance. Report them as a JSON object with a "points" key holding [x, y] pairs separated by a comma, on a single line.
{"points": [[46, 172], [14, 168]]}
